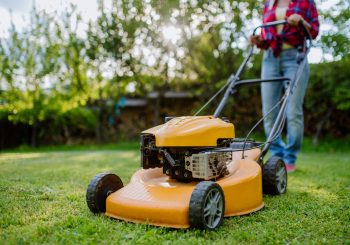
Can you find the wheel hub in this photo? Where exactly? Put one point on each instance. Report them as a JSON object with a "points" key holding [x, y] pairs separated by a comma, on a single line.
{"points": [[213, 208], [281, 178]]}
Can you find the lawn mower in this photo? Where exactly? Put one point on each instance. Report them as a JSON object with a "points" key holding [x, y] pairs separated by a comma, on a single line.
{"points": [[194, 169]]}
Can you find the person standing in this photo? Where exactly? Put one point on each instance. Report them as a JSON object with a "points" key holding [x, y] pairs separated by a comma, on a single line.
{"points": [[280, 44]]}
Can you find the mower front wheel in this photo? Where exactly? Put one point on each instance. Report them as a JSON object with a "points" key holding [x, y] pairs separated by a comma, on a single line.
{"points": [[207, 206], [274, 176], [100, 187]]}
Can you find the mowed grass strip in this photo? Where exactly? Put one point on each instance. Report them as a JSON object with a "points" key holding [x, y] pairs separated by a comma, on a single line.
{"points": [[42, 200]]}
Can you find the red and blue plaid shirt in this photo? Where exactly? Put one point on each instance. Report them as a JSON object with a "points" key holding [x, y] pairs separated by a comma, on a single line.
{"points": [[293, 35]]}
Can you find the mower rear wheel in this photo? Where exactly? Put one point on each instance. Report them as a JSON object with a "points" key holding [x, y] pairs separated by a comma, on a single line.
{"points": [[274, 176], [207, 206], [100, 187]]}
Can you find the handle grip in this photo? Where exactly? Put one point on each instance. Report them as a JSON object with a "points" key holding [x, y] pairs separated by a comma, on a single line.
{"points": [[307, 31], [268, 24], [273, 23]]}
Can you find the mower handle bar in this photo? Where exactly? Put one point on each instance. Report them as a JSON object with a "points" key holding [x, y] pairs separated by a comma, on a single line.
{"points": [[269, 24], [234, 78], [254, 81]]}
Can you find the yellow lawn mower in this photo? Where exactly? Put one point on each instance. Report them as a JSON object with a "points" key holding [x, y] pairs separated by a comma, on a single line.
{"points": [[194, 171]]}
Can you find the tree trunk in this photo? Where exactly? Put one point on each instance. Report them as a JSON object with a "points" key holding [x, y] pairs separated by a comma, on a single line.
{"points": [[320, 125], [99, 122], [160, 97], [98, 131], [67, 135], [34, 135], [99, 118], [157, 108]]}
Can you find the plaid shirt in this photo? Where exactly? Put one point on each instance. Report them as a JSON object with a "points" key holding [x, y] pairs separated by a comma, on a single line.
{"points": [[292, 35]]}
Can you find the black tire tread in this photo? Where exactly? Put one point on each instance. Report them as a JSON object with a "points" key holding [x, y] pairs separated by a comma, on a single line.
{"points": [[269, 176], [196, 219], [97, 188]]}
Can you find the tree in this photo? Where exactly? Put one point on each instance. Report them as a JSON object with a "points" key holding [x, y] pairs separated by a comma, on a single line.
{"points": [[43, 74], [336, 40], [328, 98], [30, 58], [108, 56]]}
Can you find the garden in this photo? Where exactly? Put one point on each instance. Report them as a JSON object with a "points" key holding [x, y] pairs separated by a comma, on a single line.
{"points": [[76, 91]]}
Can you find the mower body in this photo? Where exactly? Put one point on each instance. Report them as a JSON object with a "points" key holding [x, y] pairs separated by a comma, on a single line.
{"points": [[159, 194]]}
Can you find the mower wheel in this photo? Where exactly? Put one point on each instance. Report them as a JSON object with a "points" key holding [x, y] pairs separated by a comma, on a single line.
{"points": [[100, 187], [274, 176], [207, 206]]}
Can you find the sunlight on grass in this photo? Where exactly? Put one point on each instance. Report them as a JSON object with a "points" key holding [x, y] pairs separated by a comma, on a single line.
{"points": [[12, 156], [89, 156]]}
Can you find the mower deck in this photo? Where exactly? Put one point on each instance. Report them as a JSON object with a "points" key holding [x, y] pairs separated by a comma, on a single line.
{"points": [[152, 197]]}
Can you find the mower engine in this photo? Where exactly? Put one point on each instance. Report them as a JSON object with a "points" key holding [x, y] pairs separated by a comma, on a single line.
{"points": [[188, 148], [208, 165]]}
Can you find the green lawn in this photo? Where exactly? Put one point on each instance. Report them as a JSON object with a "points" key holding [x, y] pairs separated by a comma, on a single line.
{"points": [[42, 200]]}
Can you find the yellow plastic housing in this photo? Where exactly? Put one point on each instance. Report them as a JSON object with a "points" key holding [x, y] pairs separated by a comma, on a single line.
{"points": [[153, 198], [191, 131]]}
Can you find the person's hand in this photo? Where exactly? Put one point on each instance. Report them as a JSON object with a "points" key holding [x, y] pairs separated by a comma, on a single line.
{"points": [[255, 40], [294, 19]]}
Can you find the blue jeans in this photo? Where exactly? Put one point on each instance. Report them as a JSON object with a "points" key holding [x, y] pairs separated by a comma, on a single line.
{"points": [[284, 65]]}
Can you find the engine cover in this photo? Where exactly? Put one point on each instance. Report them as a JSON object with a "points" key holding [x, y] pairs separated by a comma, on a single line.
{"points": [[197, 131]]}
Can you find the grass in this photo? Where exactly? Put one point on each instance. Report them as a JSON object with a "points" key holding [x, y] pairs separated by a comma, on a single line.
{"points": [[42, 200]]}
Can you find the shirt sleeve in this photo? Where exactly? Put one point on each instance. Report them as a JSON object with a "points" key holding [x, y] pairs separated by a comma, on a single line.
{"points": [[264, 44], [313, 19]]}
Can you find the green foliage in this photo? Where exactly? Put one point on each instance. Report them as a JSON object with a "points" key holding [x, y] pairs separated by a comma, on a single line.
{"points": [[336, 39], [80, 118], [43, 201], [330, 85], [49, 71], [32, 59]]}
